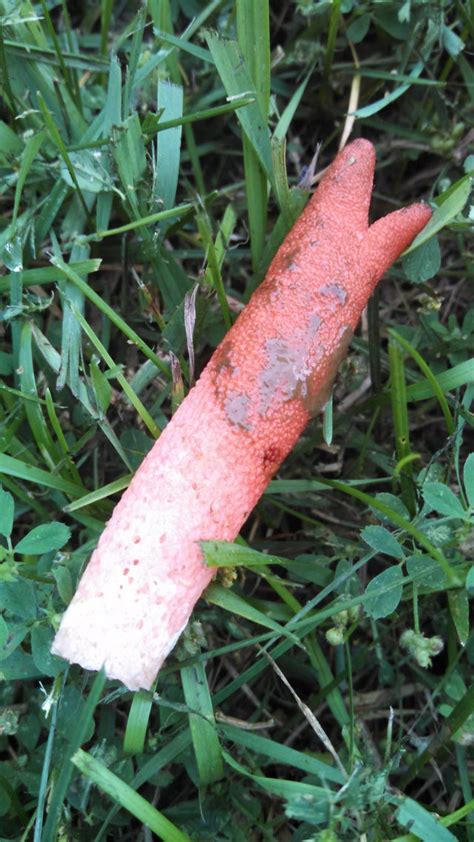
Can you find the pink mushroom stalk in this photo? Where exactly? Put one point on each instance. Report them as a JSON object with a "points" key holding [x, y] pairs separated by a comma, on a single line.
{"points": [[272, 372]]}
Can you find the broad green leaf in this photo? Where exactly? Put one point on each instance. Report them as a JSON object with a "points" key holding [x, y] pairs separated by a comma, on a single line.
{"points": [[450, 203], [44, 539], [470, 581], [19, 598], [468, 474], [459, 608], [136, 445], [7, 512], [63, 579], [426, 572], [452, 43], [467, 71], [11, 251], [92, 170], [382, 540], [423, 263], [383, 593], [16, 633], [19, 667], [393, 502], [358, 29], [3, 633], [41, 640], [441, 499]]}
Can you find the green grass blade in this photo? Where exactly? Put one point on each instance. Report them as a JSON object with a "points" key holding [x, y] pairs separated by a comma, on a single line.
{"points": [[38, 426], [106, 7], [127, 798], [13, 467], [62, 443], [237, 81], [108, 311], [142, 222], [61, 146], [9, 95], [213, 273], [401, 425], [431, 378], [137, 723], [169, 754], [424, 824], [77, 735], [49, 274], [332, 35], [202, 724], [38, 832], [282, 754], [235, 604], [99, 494], [128, 391], [32, 147], [57, 49], [168, 143], [383, 102], [133, 59], [254, 41]]}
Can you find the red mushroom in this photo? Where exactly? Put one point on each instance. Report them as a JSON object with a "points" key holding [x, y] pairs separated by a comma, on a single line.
{"points": [[272, 372]]}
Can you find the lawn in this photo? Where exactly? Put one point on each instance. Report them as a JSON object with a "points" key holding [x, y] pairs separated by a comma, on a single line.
{"points": [[152, 158]]}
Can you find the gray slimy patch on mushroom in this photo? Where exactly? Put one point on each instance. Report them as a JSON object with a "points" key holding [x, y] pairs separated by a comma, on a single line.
{"points": [[288, 367], [335, 291], [237, 407]]}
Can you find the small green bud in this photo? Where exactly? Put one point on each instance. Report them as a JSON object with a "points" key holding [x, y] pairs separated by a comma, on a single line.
{"points": [[227, 576], [335, 636], [354, 613], [342, 618], [421, 648]]}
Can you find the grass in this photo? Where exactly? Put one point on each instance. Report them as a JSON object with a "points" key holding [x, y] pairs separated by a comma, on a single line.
{"points": [[144, 150]]}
